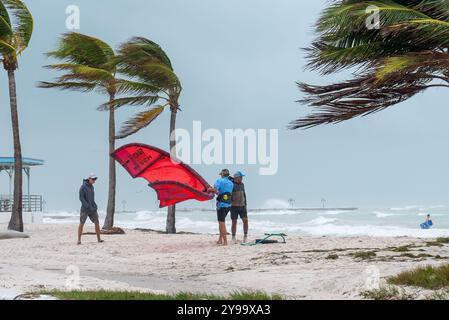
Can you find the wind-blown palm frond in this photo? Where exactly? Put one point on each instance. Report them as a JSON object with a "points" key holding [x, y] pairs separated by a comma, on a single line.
{"points": [[126, 87], [88, 63], [154, 73], [140, 51], [84, 50], [23, 24], [140, 121], [131, 101], [75, 86], [16, 29], [405, 56], [6, 48], [151, 80], [5, 22]]}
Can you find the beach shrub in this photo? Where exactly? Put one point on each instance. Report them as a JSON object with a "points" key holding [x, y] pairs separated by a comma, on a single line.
{"points": [[439, 242], [364, 255], [332, 256], [443, 240], [419, 256], [402, 249], [388, 293], [428, 277]]}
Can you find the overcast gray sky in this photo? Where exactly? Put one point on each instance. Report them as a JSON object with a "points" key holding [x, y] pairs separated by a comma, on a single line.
{"points": [[238, 62]]}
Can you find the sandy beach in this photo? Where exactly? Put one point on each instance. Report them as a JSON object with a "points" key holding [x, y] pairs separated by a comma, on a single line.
{"points": [[148, 261]]}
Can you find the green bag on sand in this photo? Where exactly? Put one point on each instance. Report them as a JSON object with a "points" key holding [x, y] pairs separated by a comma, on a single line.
{"points": [[266, 239]]}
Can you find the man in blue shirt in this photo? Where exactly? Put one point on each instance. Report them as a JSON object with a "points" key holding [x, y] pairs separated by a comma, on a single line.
{"points": [[223, 188]]}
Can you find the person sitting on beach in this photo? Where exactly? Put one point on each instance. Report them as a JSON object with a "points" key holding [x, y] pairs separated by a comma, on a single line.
{"points": [[428, 223], [223, 188], [88, 206], [239, 207]]}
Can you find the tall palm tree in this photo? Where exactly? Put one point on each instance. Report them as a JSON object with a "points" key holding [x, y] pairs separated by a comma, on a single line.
{"points": [[406, 54], [89, 64], [16, 29], [153, 84]]}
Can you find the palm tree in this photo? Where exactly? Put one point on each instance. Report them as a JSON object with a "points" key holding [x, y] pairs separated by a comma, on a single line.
{"points": [[16, 29], [407, 54], [89, 64], [153, 84]]}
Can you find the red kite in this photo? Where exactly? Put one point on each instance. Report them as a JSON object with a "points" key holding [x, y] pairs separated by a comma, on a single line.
{"points": [[173, 181]]}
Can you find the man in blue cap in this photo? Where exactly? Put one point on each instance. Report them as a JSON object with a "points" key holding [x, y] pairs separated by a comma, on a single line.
{"points": [[238, 208], [223, 188]]}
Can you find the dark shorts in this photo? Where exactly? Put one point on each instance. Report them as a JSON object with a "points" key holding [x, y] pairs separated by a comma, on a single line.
{"points": [[237, 212], [93, 216], [222, 213]]}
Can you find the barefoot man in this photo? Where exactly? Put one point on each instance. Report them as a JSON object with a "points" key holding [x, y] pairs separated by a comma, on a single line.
{"points": [[88, 206], [239, 206], [223, 188]]}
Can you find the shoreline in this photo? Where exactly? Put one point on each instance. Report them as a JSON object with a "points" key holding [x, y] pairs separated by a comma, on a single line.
{"points": [[306, 267]]}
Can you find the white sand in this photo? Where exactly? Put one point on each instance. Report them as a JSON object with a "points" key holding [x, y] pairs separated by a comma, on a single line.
{"points": [[171, 263]]}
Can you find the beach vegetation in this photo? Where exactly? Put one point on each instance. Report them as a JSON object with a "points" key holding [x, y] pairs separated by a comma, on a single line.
{"points": [[133, 295], [388, 293], [418, 256], [438, 242], [427, 277], [402, 248], [364, 255]]}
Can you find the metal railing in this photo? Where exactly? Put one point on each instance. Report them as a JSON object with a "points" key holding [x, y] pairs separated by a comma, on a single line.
{"points": [[31, 203]]}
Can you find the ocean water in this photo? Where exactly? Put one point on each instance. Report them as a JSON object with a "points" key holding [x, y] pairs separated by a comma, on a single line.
{"points": [[375, 222]]}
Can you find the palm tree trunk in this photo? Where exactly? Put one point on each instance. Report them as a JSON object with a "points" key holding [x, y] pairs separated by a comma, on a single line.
{"points": [[109, 221], [171, 213], [16, 222]]}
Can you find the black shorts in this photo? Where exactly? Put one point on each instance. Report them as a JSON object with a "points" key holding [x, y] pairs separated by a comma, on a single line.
{"points": [[237, 212], [222, 213]]}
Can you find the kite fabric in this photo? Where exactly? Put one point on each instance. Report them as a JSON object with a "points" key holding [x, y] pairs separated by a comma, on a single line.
{"points": [[173, 181]]}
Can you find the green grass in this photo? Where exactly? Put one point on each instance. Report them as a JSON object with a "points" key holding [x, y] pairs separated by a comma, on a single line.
{"points": [[402, 249], [428, 277], [419, 256], [364, 255], [388, 293], [439, 242], [443, 240], [129, 295]]}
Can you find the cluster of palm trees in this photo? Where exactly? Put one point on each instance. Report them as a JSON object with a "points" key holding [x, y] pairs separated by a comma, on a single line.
{"points": [[138, 73], [407, 54]]}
